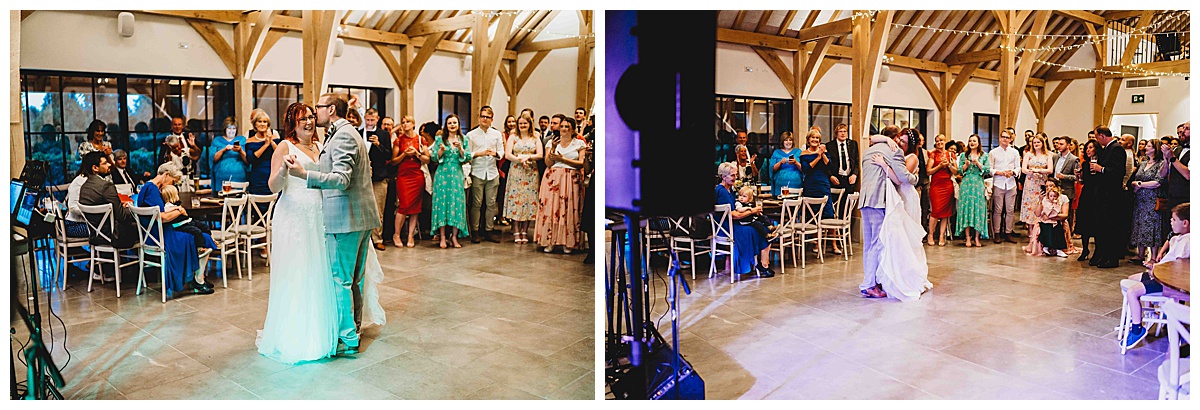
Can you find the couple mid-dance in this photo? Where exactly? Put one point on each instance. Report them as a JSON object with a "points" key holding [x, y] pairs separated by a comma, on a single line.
{"points": [[893, 259], [324, 273]]}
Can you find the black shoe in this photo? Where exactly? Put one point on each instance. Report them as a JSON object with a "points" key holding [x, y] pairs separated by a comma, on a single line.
{"points": [[343, 350], [1136, 261], [764, 271], [1009, 238], [1083, 257], [200, 289], [475, 238], [1095, 260], [1108, 264], [495, 238]]}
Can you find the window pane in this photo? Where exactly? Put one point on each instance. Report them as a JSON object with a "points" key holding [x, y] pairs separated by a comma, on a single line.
{"points": [[77, 103], [49, 147], [169, 95], [901, 118], [41, 102], [268, 100], [839, 114]]}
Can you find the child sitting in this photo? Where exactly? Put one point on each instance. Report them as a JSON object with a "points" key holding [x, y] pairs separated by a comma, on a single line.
{"points": [[170, 195], [1051, 209], [1178, 247], [760, 223]]}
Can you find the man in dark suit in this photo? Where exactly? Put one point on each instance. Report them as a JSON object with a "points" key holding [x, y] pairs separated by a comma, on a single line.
{"points": [[843, 161], [1110, 172], [121, 174], [99, 191], [379, 143]]}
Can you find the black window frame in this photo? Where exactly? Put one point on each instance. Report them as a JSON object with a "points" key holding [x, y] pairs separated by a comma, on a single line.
{"points": [[991, 138], [465, 116]]}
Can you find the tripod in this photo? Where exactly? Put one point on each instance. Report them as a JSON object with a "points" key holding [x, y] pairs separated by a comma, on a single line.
{"points": [[42, 376]]}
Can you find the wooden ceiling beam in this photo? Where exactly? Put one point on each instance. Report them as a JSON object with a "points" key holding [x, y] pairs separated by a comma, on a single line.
{"points": [[399, 20], [762, 21], [1121, 14], [923, 33], [781, 71], [737, 21], [443, 25], [555, 44], [217, 43], [932, 87], [956, 39], [258, 36], [975, 57], [894, 43], [220, 16], [1084, 16], [833, 28], [787, 21], [810, 19], [1143, 23], [532, 36]]}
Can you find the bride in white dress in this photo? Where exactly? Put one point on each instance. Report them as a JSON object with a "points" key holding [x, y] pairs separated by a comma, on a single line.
{"points": [[301, 322], [903, 271]]}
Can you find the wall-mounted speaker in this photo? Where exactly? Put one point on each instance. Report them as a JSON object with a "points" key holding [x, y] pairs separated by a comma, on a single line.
{"points": [[996, 90], [339, 45], [467, 62], [125, 24], [884, 74]]}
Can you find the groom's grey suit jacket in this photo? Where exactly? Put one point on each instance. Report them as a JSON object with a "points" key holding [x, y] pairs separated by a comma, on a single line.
{"points": [[344, 178], [873, 177]]}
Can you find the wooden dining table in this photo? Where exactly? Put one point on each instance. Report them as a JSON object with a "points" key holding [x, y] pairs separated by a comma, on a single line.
{"points": [[1175, 274]]}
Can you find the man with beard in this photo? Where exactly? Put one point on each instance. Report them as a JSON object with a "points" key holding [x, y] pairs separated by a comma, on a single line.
{"points": [[1109, 171]]}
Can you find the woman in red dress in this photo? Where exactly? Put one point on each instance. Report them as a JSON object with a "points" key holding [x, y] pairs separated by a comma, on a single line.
{"points": [[408, 153], [941, 168]]}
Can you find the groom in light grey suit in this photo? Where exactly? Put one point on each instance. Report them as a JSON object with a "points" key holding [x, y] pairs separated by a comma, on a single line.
{"points": [[344, 178], [872, 205]]}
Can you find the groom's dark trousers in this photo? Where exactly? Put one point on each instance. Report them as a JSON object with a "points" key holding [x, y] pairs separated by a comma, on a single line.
{"points": [[348, 259]]}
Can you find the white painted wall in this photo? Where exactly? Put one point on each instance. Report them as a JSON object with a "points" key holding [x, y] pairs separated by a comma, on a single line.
{"points": [[93, 45], [1171, 100], [1147, 122]]}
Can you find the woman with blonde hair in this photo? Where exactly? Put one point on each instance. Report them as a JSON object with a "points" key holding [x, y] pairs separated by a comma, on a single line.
{"points": [[408, 154], [785, 169], [1036, 166], [260, 146], [521, 197]]}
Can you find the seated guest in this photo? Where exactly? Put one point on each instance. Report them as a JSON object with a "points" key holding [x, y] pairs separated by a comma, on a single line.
{"points": [[120, 172], [747, 243], [747, 172], [170, 195], [174, 153], [185, 269], [785, 170], [73, 221], [1178, 247], [99, 191], [1050, 210], [760, 223]]}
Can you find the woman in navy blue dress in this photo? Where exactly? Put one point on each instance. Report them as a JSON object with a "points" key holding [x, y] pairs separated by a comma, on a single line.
{"points": [[260, 146], [814, 162], [184, 271], [748, 246]]}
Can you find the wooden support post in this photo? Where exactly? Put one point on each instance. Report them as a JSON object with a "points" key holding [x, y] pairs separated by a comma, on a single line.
{"points": [[584, 60], [869, 39], [799, 100], [243, 87], [406, 69], [319, 32], [16, 143]]}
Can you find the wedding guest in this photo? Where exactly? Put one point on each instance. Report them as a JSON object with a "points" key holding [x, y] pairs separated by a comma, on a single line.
{"points": [[972, 201], [379, 154], [450, 151], [922, 186], [1140, 153], [785, 170], [561, 194], [408, 155], [181, 148], [185, 263], [1089, 212], [751, 250], [96, 190], [1051, 210], [1037, 166], [95, 142], [228, 155], [1005, 166], [74, 221], [1178, 247], [487, 145], [814, 162], [941, 168], [428, 133], [521, 200], [1110, 171], [843, 164], [509, 132], [260, 146], [1063, 174], [1177, 171], [1149, 184], [121, 174]]}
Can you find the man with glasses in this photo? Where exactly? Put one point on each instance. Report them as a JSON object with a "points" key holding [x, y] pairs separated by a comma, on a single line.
{"points": [[487, 145]]}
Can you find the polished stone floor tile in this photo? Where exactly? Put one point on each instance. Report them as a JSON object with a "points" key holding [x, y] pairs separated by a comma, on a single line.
{"points": [[997, 325], [488, 321]]}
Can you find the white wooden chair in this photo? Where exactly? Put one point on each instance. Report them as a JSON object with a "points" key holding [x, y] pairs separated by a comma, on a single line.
{"points": [[840, 224], [837, 196], [649, 238], [722, 236], [226, 237], [809, 224], [257, 226], [1175, 374], [150, 239], [1152, 313], [105, 230], [63, 245], [787, 233], [687, 243]]}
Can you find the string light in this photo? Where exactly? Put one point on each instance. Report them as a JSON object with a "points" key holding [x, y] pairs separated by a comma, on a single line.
{"points": [[1019, 35], [499, 13], [1131, 69]]}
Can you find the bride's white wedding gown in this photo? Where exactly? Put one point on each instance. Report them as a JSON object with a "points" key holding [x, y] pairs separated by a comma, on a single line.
{"points": [[302, 313], [903, 271]]}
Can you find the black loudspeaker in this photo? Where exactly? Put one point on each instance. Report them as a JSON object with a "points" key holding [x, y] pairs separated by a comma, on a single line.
{"points": [[659, 141], [34, 174], [662, 384]]}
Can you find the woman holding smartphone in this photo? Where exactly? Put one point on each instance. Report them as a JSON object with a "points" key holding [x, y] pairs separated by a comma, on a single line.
{"points": [[785, 170], [228, 156]]}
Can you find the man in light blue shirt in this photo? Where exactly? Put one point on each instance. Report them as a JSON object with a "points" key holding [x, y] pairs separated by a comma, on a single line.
{"points": [[487, 145]]}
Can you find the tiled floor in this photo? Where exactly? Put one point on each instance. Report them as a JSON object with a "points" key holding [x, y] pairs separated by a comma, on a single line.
{"points": [[997, 325], [488, 321]]}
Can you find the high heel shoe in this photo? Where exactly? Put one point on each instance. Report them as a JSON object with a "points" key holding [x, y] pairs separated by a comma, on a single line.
{"points": [[1083, 257]]}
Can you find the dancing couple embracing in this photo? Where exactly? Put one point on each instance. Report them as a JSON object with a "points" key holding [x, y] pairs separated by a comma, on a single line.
{"points": [[893, 259], [324, 274]]}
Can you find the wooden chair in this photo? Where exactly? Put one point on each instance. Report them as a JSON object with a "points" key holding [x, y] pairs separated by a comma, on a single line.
{"points": [[1175, 374], [686, 243], [722, 236], [840, 224], [152, 243], [809, 224]]}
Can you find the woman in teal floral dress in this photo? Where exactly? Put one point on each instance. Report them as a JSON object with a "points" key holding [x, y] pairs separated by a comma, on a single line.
{"points": [[450, 152], [972, 201]]}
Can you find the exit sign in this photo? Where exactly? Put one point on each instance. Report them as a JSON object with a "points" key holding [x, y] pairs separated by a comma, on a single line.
{"points": [[1139, 98]]}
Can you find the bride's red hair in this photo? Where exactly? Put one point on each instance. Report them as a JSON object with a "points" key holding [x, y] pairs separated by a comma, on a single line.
{"points": [[294, 114]]}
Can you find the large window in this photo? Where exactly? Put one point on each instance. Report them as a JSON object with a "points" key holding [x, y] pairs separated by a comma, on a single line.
{"points": [[827, 116], [902, 117], [275, 97], [763, 119], [987, 126], [367, 97], [58, 107], [459, 104]]}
